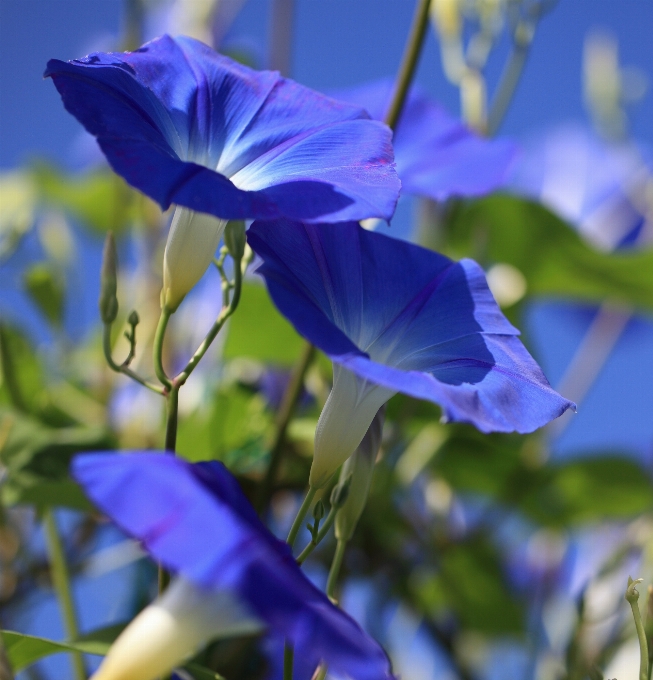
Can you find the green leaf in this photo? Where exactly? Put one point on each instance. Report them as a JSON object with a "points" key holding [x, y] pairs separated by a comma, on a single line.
{"points": [[258, 331], [511, 470], [18, 200], [100, 199], [484, 464], [36, 459], [45, 287], [588, 491], [201, 673], [21, 375], [24, 650], [470, 582], [552, 256], [234, 430]]}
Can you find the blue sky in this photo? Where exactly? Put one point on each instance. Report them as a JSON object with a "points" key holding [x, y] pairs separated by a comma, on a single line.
{"points": [[337, 43]]}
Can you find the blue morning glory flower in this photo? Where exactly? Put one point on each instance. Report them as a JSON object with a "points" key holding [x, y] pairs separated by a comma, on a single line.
{"points": [[186, 125], [189, 126], [599, 187], [437, 155], [395, 317], [233, 574]]}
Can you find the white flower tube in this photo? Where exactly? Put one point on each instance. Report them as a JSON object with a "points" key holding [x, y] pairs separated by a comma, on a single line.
{"points": [[360, 466], [173, 628], [345, 418], [191, 245]]}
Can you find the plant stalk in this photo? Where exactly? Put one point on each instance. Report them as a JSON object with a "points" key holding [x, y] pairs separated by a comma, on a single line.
{"points": [[409, 61], [61, 580], [335, 571], [123, 368], [284, 416], [301, 514], [158, 348], [324, 530], [288, 661]]}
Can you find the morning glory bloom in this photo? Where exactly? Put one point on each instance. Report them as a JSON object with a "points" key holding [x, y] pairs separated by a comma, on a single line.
{"points": [[395, 317], [437, 155], [233, 575], [601, 188], [188, 126]]}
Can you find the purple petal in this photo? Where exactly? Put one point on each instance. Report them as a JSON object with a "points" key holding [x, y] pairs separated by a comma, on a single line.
{"points": [[436, 154], [196, 521], [407, 319], [186, 125]]}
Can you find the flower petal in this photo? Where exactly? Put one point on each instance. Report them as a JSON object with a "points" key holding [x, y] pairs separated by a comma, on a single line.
{"points": [[437, 155], [196, 521], [177, 121], [407, 319]]}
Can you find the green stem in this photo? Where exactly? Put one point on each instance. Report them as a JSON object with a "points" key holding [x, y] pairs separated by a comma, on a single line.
{"points": [[7, 365], [409, 62], [281, 36], [172, 413], [335, 570], [158, 348], [507, 86], [648, 628], [301, 514], [286, 410], [61, 581], [122, 368], [324, 529], [225, 313], [134, 17], [643, 644], [321, 674], [523, 39], [632, 596], [288, 659]]}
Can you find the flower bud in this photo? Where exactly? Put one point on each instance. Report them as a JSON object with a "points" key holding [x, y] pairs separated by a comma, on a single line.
{"points": [[172, 629], [345, 418], [318, 511], [108, 301], [341, 491], [133, 319], [235, 239], [191, 245], [359, 468]]}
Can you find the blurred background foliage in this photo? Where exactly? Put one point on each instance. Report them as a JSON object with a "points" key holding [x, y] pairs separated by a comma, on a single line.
{"points": [[478, 556]]}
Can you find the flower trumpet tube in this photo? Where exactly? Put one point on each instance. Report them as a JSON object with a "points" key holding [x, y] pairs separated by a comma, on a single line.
{"points": [[191, 245], [233, 575], [395, 317], [360, 467], [172, 629], [353, 401]]}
